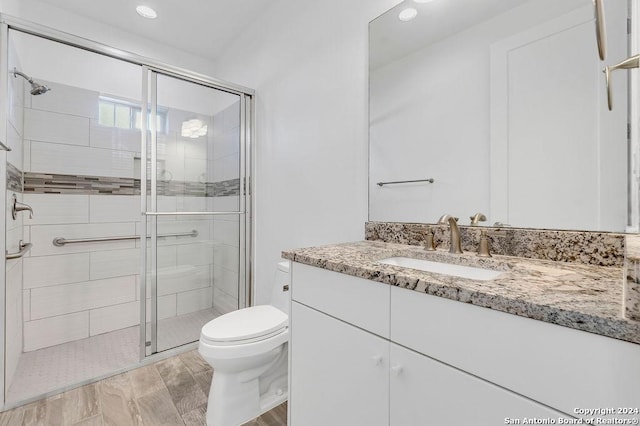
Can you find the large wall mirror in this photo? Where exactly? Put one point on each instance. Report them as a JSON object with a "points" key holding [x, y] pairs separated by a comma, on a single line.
{"points": [[502, 103]]}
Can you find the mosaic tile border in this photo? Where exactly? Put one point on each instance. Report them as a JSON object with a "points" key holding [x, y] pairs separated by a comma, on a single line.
{"points": [[45, 183], [14, 178], [591, 248], [49, 183]]}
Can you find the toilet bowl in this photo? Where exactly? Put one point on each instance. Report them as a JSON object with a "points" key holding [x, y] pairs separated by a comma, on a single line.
{"points": [[248, 351]]}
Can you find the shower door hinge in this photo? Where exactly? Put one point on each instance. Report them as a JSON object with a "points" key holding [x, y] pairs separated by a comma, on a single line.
{"points": [[629, 25], [147, 343]]}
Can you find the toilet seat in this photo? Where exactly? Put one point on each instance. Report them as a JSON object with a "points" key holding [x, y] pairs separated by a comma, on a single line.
{"points": [[245, 326], [216, 351]]}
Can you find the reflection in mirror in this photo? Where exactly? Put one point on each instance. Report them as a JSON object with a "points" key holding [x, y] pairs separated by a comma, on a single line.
{"points": [[503, 104]]}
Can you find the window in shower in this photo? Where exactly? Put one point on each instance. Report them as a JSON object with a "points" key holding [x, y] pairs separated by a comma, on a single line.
{"points": [[125, 115]]}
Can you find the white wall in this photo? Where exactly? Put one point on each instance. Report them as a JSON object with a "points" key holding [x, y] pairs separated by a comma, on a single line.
{"points": [[309, 66], [53, 17]]}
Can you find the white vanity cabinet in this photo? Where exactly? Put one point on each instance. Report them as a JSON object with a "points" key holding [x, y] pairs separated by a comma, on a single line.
{"points": [[341, 372], [426, 392], [557, 366], [366, 353]]}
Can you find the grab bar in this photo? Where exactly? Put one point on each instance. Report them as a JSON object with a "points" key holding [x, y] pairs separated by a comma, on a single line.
{"points": [[59, 241], [430, 180], [23, 249]]}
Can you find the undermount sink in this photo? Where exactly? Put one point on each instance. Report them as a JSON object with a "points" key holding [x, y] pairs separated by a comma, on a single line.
{"points": [[470, 272]]}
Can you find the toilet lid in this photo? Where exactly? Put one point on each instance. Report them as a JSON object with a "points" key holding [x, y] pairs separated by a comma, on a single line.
{"points": [[245, 324]]}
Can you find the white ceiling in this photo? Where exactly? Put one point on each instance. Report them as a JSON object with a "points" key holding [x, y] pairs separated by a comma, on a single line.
{"points": [[200, 27], [392, 39]]}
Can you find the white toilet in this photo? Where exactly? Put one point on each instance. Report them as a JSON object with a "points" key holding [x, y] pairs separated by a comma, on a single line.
{"points": [[247, 349]]}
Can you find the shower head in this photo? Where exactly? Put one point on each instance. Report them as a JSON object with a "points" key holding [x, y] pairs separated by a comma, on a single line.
{"points": [[36, 88]]}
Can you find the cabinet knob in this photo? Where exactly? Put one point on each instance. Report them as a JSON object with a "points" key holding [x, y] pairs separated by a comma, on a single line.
{"points": [[397, 369], [377, 360]]}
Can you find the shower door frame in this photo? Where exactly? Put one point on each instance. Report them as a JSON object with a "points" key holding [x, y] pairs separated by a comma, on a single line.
{"points": [[149, 207], [247, 96]]}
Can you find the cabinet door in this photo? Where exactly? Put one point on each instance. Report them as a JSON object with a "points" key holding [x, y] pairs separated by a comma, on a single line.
{"points": [[427, 392], [339, 373]]}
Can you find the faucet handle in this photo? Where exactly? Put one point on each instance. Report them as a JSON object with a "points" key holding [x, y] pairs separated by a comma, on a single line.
{"points": [[476, 218], [430, 244], [483, 248], [19, 207]]}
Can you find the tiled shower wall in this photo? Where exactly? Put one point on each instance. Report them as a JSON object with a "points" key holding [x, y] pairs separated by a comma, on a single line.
{"points": [[225, 159], [81, 290], [14, 228]]}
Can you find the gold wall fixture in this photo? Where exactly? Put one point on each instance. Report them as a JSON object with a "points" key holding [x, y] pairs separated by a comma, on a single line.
{"points": [[601, 29], [629, 63]]}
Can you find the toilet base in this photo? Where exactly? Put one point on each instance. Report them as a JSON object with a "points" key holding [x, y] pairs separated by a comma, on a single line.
{"points": [[278, 394], [236, 398]]}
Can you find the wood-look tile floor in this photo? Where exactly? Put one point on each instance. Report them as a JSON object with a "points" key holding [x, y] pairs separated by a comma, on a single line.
{"points": [[170, 392]]}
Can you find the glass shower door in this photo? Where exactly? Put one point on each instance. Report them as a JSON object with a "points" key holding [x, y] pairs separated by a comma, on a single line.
{"points": [[195, 209]]}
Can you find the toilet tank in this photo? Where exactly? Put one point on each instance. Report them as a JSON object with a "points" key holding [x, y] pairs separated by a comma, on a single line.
{"points": [[279, 297]]}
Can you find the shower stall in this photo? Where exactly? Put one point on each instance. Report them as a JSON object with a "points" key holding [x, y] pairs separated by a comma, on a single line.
{"points": [[137, 177]]}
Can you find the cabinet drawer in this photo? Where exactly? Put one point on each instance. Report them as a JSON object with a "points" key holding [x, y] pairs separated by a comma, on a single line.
{"points": [[558, 366], [360, 302]]}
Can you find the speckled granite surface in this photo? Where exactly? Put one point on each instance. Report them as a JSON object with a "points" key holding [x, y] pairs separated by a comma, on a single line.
{"points": [[593, 248], [583, 297], [631, 289]]}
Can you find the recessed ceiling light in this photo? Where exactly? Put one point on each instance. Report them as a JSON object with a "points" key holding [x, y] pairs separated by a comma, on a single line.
{"points": [[146, 12], [408, 14]]}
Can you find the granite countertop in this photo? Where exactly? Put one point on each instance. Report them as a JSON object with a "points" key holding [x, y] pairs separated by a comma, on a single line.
{"points": [[633, 247], [583, 297]]}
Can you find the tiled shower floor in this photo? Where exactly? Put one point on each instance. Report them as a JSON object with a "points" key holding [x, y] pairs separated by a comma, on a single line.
{"points": [[50, 369]]}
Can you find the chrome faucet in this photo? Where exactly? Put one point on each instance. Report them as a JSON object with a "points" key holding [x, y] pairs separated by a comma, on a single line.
{"points": [[454, 235]]}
